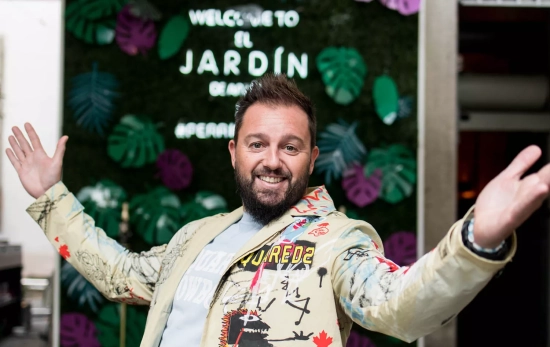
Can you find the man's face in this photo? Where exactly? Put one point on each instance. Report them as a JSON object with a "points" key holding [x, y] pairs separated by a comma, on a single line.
{"points": [[272, 159]]}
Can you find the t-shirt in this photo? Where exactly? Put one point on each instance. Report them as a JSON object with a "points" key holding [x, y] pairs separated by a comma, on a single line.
{"points": [[196, 288]]}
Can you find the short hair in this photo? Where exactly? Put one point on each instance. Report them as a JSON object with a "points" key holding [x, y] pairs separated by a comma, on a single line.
{"points": [[275, 90]]}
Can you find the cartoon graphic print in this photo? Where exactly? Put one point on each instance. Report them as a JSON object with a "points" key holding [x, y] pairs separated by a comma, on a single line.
{"points": [[244, 328]]}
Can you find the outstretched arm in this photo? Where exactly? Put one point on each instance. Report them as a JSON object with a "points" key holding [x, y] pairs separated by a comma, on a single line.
{"points": [[410, 302], [119, 274]]}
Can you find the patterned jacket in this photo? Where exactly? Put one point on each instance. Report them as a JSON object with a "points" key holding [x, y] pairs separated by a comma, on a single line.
{"points": [[300, 281]]}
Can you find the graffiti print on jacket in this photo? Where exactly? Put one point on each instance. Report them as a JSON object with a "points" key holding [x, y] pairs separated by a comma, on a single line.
{"points": [[284, 256]]}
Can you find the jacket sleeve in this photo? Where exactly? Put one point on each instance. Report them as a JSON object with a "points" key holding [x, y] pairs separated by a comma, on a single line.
{"points": [[120, 275], [411, 301]]}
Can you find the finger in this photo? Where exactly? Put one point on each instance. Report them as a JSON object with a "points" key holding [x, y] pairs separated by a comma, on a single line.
{"points": [[13, 159], [23, 143], [523, 161], [15, 146], [33, 136], [544, 174], [60, 149]]}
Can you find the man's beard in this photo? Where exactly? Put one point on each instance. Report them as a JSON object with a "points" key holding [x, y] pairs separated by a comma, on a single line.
{"points": [[273, 207]]}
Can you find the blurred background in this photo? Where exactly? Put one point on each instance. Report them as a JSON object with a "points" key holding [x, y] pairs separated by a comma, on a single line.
{"points": [[419, 106]]}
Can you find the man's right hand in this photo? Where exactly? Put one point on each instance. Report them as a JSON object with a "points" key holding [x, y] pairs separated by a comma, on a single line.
{"points": [[36, 170]]}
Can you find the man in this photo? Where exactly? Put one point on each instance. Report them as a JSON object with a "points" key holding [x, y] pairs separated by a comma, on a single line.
{"points": [[286, 269]]}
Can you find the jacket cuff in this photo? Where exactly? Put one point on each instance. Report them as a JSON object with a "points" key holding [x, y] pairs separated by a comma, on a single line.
{"points": [[52, 199], [457, 244]]}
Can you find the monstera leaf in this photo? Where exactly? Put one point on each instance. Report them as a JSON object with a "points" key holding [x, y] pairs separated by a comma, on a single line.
{"points": [[401, 248], [359, 189], [405, 7], [76, 329], [99, 31], [339, 147], [386, 99], [173, 36], [97, 9], [103, 202], [145, 10], [135, 142], [156, 215], [175, 169], [91, 99], [203, 205], [108, 325], [398, 167], [133, 34], [343, 71], [79, 289]]}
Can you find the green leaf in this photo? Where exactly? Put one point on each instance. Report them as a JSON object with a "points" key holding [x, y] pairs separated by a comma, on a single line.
{"points": [[78, 289], [398, 166], [386, 99], [156, 215], [135, 142], [93, 31], [339, 147], [91, 99], [98, 9], [173, 36], [108, 325], [343, 71], [103, 202], [204, 204], [145, 10]]}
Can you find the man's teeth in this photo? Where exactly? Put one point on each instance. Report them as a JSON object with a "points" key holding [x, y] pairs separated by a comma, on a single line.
{"points": [[271, 179]]}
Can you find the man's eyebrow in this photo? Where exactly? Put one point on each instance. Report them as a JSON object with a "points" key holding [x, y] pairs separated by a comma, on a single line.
{"points": [[291, 137], [261, 136]]}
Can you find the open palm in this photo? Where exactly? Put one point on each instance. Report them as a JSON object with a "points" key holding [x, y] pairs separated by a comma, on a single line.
{"points": [[37, 171], [508, 200]]}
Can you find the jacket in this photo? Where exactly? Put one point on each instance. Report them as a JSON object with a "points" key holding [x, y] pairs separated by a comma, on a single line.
{"points": [[302, 280]]}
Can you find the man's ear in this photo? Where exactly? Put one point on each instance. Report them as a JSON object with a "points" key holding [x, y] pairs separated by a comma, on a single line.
{"points": [[314, 155], [232, 147]]}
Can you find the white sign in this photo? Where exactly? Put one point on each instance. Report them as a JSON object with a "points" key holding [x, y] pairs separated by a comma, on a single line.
{"points": [[205, 130], [254, 62]]}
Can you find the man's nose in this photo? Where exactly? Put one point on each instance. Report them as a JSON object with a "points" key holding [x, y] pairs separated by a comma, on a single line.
{"points": [[272, 159]]}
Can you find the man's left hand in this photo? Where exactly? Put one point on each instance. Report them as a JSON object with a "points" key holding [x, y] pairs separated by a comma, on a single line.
{"points": [[508, 200]]}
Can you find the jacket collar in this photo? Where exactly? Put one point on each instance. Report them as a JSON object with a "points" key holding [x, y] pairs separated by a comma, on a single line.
{"points": [[316, 202]]}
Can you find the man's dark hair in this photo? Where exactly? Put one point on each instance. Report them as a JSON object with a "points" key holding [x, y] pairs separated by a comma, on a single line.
{"points": [[275, 90]]}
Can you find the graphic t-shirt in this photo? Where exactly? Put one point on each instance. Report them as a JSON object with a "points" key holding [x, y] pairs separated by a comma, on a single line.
{"points": [[196, 289]]}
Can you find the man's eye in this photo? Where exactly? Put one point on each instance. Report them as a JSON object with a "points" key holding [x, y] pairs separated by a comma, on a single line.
{"points": [[256, 145], [290, 148]]}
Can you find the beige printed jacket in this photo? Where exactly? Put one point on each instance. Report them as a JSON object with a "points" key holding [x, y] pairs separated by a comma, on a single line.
{"points": [[300, 281]]}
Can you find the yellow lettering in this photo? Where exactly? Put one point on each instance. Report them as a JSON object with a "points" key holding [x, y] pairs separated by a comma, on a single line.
{"points": [[258, 258], [309, 255], [245, 261], [275, 251], [286, 254], [297, 256]]}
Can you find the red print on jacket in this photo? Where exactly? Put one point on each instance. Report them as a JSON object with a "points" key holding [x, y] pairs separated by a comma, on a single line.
{"points": [[391, 264], [323, 340], [322, 230], [64, 251]]}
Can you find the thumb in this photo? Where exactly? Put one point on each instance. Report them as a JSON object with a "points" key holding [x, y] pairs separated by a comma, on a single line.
{"points": [[523, 161], [60, 149]]}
